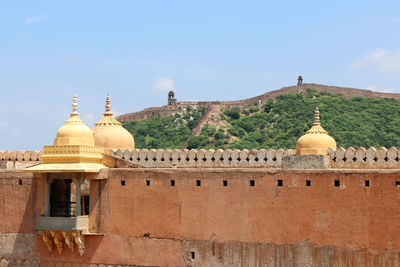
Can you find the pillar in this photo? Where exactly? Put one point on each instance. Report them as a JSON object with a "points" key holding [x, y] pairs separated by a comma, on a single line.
{"points": [[48, 181], [78, 208]]}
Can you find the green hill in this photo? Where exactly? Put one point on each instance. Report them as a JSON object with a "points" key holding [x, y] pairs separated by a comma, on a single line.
{"points": [[357, 121]]}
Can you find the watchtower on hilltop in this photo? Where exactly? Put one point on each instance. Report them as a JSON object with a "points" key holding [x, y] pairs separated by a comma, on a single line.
{"points": [[171, 98], [299, 80]]}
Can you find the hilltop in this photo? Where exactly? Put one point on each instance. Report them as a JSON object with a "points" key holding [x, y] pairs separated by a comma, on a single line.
{"points": [[174, 105], [276, 123]]}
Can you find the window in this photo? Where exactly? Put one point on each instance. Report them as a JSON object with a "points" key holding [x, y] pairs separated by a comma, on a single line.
{"points": [[366, 183], [147, 182], [20, 182], [193, 255], [397, 183], [172, 182], [122, 182], [252, 183], [86, 204], [308, 182], [337, 183], [225, 182], [198, 182], [280, 182]]}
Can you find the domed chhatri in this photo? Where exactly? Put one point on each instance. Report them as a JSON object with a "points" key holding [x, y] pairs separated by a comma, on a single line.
{"points": [[316, 140], [74, 131], [109, 133]]}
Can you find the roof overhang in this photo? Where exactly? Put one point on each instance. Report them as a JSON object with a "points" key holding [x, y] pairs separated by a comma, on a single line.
{"points": [[66, 167]]}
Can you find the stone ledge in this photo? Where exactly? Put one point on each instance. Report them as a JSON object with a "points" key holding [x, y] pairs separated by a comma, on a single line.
{"points": [[303, 162]]}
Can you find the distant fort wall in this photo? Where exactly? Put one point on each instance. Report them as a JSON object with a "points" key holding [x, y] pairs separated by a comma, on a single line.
{"points": [[262, 99]]}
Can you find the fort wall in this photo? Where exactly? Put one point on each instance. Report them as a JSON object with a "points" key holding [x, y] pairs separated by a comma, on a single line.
{"points": [[263, 98], [239, 224]]}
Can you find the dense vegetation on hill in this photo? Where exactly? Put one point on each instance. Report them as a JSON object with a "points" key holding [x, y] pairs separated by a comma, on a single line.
{"points": [[166, 132], [358, 121]]}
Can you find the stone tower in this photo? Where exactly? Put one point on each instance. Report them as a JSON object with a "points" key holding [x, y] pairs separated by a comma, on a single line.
{"points": [[171, 98], [299, 80]]}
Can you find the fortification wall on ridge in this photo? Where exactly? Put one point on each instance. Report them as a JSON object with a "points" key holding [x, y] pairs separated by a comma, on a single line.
{"points": [[170, 109]]}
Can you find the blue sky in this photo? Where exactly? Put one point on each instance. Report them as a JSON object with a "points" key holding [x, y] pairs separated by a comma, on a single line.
{"points": [[206, 50]]}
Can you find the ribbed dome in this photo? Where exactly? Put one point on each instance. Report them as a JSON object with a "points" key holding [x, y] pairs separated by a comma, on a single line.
{"points": [[316, 140], [74, 131], [109, 133]]}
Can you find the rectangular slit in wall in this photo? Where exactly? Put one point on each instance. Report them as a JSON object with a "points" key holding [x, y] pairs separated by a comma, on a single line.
{"points": [[280, 182], [147, 182], [172, 182], [198, 182], [366, 183], [225, 182], [252, 182], [122, 182], [193, 255], [20, 182], [308, 182], [337, 183], [397, 183]]}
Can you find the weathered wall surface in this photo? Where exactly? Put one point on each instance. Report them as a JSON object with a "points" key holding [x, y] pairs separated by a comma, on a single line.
{"points": [[301, 254], [17, 202]]}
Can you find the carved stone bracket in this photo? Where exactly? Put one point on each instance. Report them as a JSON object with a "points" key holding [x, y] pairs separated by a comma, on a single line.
{"points": [[72, 238]]}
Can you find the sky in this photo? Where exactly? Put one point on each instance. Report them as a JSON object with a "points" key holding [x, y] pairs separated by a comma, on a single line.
{"points": [[137, 51]]}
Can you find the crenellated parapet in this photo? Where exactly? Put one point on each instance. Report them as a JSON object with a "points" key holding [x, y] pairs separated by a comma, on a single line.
{"points": [[341, 158], [365, 158], [207, 158], [19, 159]]}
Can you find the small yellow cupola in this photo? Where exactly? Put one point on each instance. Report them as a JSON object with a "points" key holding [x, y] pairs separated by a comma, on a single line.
{"points": [[316, 140], [73, 150], [109, 133], [74, 131]]}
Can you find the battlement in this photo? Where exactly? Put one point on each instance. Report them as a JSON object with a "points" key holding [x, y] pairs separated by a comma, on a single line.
{"points": [[350, 158], [19, 159]]}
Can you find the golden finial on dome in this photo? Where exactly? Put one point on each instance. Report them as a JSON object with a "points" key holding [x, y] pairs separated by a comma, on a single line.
{"points": [[316, 117], [108, 107], [316, 140], [317, 128], [74, 105]]}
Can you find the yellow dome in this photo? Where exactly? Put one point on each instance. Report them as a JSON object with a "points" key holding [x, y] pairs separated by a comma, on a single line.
{"points": [[316, 140], [109, 133], [74, 131]]}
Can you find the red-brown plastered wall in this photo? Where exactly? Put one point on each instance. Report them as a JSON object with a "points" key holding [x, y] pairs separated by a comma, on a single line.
{"points": [[350, 215], [18, 193]]}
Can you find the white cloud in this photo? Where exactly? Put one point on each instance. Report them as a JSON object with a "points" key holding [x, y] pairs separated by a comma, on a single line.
{"points": [[378, 88], [30, 20], [163, 84], [381, 60]]}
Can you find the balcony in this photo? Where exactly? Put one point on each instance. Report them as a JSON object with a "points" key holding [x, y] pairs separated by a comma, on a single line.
{"points": [[79, 223]]}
